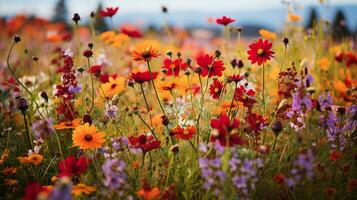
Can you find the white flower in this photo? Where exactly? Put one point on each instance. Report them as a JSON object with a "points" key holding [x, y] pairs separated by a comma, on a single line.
{"points": [[68, 52]]}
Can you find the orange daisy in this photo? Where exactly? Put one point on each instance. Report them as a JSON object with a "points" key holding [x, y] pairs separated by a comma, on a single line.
{"points": [[67, 125], [148, 193], [82, 188], [87, 137], [145, 51], [183, 133]]}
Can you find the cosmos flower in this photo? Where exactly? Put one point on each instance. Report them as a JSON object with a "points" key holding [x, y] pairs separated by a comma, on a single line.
{"points": [[109, 12], [87, 137], [260, 52], [183, 133], [72, 166], [146, 51], [144, 142], [225, 131], [142, 77], [114, 86], [68, 125], [131, 31], [210, 66], [215, 89], [224, 20], [173, 67]]}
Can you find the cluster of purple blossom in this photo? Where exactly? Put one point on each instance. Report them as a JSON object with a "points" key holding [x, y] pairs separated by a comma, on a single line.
{"points": [[303, 167], [300, 105], [241, 173], [43, 128], [114, 175]]}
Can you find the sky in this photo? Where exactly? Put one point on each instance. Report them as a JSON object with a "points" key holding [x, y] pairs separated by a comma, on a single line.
{"points": [[44, 8]]}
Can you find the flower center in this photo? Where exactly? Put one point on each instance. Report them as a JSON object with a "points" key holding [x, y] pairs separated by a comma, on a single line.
{"points": [[68, 124], [216, 90], [88, 137], [186, 132], [260, 52], [146, 54], [113, 86]]}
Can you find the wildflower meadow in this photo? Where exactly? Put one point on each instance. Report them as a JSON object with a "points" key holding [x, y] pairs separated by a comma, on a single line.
{"points": [[138, 113]]}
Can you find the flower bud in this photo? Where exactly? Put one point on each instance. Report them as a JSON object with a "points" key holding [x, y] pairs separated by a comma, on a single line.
{"points": [[218, 53], [22, 105], [234, 63], [76, 18], [87, 119], [88, 53], [44, 96], [17, 39], [165, 120], [240, 64], [286, 41], [277, 127], [174, 148]]}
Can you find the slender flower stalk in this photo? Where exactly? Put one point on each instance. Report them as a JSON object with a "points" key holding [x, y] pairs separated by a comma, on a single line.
{"points": [[153, 84], [92, 84]]}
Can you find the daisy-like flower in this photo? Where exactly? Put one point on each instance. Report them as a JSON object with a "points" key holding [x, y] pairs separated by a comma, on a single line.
{"points": [[267, 34], [210, 66], [82, 188], [68, 125], [72, 166], [87, 137], [145, 51], [109, 12], [173, 67], [131, 31], [236, 78], [224, 20], [183, 133], [142, 77], [260, 52], [148, 193], [33, 158], [144, 142], [215, 89], [114, 86], [225, 133]]}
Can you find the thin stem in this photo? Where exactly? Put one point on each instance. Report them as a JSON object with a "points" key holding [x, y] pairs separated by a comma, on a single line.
{"points": [[282, 64], [27, 130], [153, 84], [59, 144], [230, 107], [276, 137], [146, 102], [191, 96], [92, 83], [263, 92]]}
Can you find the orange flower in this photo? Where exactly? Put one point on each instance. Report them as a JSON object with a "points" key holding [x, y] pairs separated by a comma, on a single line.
{"points": [[9, 170], [4, 156], [340, 86], [114, 86], [34, 159], [67, 125], [145, 51], [183, 133], [82, 188], [148, 193], [324, 63], [87, 137], [294, 17], [10, 182], [267, 34], [335, 155]]}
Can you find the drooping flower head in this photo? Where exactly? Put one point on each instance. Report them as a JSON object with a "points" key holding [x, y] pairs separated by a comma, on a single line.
{"points": [[224, 20], [259, 52], [87, 137], [109, 12]]}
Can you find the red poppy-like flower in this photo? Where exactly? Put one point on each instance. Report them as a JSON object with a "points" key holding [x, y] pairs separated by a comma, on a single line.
{"points": [[236, 78], [335, 155], [183, 133], [245, 96], [142, 77], [95, 70], [144, 142], [173, 67], [260, 52], [109, 12], [255, 123], [72, 166], [131, 31], [279, 178], [32, 191], [225, 131], [210, 66], [215, 89], [224, 20]]}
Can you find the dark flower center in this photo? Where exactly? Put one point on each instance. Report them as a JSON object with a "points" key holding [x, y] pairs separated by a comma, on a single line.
{"points": [[146, 54], [113, 86], [260, 52], [88, 137], [68, 124]]}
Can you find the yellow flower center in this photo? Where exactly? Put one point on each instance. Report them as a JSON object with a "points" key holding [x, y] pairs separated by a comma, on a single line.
{"points": [[260, 52], [186, 132], [216, 90]]}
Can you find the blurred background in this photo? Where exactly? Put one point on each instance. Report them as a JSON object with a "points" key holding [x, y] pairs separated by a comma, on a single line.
{"points": [[190, 14]]}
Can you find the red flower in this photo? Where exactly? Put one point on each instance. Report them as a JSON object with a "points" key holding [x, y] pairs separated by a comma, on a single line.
{"points": [[173, 67], [224, 20], [183, 133], [71, 166], [109, 12], [279, 178], [335, 155], [131, 31], [215, 89], [95, 70], [32, 191], [260, 51], [142, 77], [225, 131], [255, 124], [236, 78], [210, 66], [245, 96], [144, 142]]}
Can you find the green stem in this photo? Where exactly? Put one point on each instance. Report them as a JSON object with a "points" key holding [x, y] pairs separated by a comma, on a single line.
{"points": [[153, 84], [92, 84], [263, 92], [27, 131]]}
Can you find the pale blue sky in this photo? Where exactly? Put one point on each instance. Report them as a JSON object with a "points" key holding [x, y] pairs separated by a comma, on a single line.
{"points": [[44, 8]]}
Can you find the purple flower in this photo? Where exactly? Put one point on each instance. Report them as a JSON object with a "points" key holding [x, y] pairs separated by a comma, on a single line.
{"points": [[75, 89], [114, 174], [111, 111], [43, 128]]}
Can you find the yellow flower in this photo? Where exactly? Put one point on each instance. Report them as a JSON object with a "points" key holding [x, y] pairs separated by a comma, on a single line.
{"points": [[294, 17], [114, 86], [87, 137], [107, 36], [146, 50], [324, 63], [82, 188], [120, 39], [267, 34], [54, 179], [34, 159], [340, 86]]}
